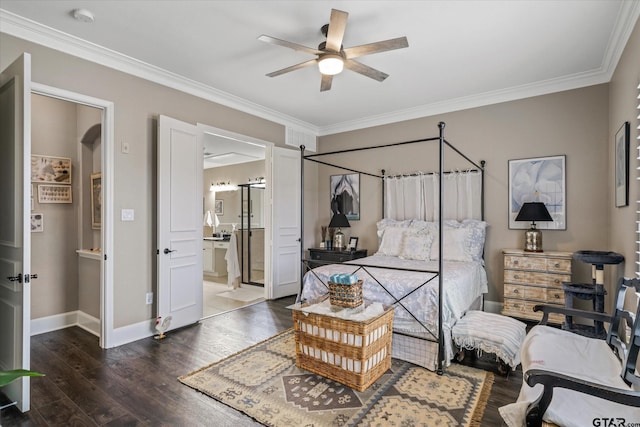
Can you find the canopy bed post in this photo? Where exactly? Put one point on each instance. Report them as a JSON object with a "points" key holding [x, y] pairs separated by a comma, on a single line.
{"points": [[440, 248], [383, 192], [482, 165], [301, 239]]}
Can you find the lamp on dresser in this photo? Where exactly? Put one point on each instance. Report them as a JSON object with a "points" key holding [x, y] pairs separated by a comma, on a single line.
{"points": [[533, 211], [339, 221]]}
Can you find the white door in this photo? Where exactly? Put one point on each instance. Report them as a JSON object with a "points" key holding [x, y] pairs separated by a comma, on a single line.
{"points": [[285, 173], [15, 231], [179, 222]]}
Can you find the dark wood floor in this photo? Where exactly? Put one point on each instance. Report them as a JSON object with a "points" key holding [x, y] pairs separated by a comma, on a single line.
{"points": [[136, 384]]}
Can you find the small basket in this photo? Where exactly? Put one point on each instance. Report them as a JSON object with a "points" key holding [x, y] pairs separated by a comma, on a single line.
{"points": [[348, 296]]}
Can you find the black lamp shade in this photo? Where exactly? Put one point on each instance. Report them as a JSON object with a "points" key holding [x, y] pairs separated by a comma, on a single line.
{"points": [[533, 211], [339, 220]]}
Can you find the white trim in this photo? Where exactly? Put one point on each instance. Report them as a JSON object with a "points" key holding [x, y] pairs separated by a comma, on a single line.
{"points": [[18, 26], [106, 297], [133, 332], [55, 322]]}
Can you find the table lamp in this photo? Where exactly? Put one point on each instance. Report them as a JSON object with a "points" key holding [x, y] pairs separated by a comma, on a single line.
{"points": [[533, 211], [339, 220]]}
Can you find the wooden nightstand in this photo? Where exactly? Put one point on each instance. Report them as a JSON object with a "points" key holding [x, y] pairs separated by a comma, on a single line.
{"points": [[532, 278], [329, 255]]}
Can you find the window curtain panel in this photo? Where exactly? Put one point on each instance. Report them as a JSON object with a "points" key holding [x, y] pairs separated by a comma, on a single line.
{"points": [[416, 196]]}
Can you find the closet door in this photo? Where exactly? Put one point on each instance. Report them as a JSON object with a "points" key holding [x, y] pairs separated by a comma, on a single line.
{"points": [[15, 229]]}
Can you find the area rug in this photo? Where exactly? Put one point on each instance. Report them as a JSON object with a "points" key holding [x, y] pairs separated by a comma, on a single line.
{"points": [[264, 383]]}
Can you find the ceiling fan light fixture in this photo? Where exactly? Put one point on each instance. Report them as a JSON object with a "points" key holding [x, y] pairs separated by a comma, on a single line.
{"points": [[331, 64]]}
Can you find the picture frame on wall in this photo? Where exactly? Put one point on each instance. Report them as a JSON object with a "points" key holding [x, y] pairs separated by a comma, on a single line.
{"points": [[53, 193], [37, 223], [539, 179], [345, 195], [54, 170], [218, 207], [96, 201], [622, 165]]}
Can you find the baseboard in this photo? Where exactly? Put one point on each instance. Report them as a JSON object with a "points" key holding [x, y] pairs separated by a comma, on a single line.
{"points": [[493, 307], [130, 333], [46, 324]]}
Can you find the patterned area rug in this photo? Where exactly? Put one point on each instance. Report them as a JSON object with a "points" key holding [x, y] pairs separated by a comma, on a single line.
{"points": [[264, 383]]}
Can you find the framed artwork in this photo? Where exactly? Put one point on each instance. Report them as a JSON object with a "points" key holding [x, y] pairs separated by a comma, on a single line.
{"points": [[53, 193], [37, 223], [353, 244], [218, 207], [622, 166], [56, 170], [541, 179], [96, 201], [345, 195]]}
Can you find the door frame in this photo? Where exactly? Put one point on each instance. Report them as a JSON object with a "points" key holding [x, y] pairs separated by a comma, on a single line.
{"points": [[107, 154]]}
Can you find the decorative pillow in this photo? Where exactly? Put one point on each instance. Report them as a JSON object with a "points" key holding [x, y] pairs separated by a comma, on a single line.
{"points": [[417, 245], [385, 223], [454, 240], [392, 241], [475, 238]]}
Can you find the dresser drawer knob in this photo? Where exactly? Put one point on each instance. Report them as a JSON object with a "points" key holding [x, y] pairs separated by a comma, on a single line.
{"points": [[557, 281], [516, 305], [515, 291], [516, 276], [556, 296], [516, 262], [557, 265]]}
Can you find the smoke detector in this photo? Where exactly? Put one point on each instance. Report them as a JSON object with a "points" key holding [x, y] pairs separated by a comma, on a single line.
{"points": [[83, 15]]}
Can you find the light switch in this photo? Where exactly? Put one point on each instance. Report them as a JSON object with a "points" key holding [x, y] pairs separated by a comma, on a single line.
{"points": [[127, 215]]}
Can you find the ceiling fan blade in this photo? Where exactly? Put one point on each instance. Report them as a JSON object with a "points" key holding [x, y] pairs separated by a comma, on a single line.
{"points": [[292, 68], [325, 84], [290, 45], [365, 70], [383, 46], [337, 26]]}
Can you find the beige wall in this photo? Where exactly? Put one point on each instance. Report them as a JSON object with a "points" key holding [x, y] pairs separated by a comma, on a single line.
{"points": [[572, 123], [137, 105], [623, 100]]}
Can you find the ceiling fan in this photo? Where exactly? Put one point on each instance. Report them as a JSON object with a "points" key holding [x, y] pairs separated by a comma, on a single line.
{"points": [[331, 57]]}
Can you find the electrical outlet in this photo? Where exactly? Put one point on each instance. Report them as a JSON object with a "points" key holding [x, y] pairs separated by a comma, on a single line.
{"points": [[149, 297]]}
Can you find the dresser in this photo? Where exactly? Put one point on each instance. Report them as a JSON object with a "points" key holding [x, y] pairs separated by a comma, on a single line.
{"points": [[532, 278], [333, 256]]}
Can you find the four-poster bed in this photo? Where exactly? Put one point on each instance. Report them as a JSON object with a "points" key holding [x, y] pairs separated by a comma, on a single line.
{"points": [[415, 249]]}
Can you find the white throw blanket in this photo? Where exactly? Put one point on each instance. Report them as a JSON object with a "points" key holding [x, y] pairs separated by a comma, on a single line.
{"points": [[577, 356]]}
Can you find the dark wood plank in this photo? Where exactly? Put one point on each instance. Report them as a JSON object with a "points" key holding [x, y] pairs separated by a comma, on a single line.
{"points": [[137, 384]]}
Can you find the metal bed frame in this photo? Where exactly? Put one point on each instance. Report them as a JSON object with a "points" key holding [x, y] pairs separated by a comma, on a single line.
{"points": [[442, 143]]}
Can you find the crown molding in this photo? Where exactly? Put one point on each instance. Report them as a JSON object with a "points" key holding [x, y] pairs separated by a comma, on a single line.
{"points": [[35, 32]]}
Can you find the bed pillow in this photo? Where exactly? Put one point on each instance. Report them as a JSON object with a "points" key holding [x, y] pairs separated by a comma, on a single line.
{"points": [[385, 223], [476, 237], [417, 245], [454, 240], [392, 240]]}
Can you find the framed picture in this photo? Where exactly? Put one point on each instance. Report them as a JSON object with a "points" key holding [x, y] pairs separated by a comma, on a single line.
{"points": [[56, 170], [622, 166], [345, 195], [37, 223], [541, 179], [96, 201], [52, 193], [219, 207], [353, 244]]}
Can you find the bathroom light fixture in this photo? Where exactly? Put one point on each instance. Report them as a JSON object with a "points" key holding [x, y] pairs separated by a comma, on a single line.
{"points": [[223, 186], [331, 64]]}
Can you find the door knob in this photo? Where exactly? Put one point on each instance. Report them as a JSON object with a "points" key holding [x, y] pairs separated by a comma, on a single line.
{"points": [[167, 250], [17, 278]]}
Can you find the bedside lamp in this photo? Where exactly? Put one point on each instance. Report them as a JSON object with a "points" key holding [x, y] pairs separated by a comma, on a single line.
{"points": [[339, 220], [533, 211]]}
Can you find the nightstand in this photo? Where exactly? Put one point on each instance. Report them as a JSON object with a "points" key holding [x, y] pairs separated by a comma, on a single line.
{"points": [[532, 278], [331, 256]]}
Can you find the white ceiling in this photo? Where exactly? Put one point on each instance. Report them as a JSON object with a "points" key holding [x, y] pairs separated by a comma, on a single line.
{"points": [[461, 54]]}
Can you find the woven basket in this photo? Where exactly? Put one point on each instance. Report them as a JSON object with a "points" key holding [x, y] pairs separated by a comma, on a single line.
{"points": [[352, 353], [348, 296]]}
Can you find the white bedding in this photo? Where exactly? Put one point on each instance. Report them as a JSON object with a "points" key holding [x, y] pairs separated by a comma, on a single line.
{"points": [[463, 283]]}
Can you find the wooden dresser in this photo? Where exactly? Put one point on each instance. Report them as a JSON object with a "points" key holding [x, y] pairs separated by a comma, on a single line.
{"points": [[532, 278]]}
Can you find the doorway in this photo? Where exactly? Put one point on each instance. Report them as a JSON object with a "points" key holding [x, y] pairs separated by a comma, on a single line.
{"points": [[72, 215]]}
